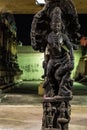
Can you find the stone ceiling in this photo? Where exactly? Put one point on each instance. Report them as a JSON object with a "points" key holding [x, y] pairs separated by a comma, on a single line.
{"points": [[29, 6]]}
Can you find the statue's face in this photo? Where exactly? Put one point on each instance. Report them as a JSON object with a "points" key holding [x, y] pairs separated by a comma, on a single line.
{"points": [[56, 27]]}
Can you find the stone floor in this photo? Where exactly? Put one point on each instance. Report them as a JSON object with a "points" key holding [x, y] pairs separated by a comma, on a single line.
{"points": [[23, 111], [28, 117]]}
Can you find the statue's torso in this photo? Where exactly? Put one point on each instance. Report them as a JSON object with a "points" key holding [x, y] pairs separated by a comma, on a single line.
{"points": [[56, 43]]}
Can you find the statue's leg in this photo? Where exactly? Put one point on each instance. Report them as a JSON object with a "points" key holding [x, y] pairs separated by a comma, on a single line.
{"points": [[64, 90]]}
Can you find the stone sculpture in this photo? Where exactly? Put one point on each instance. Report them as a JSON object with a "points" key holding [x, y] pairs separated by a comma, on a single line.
{"points": [[54, 31]]}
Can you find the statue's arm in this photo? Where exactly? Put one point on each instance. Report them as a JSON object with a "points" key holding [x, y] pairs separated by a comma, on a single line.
{"points": [[71, 52]]}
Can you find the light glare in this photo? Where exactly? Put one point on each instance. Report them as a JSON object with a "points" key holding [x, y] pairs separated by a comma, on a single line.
{"points": [[40, 1]]}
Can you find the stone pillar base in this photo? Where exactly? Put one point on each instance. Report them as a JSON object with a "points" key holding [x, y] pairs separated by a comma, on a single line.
{"points": [[56, 113]]}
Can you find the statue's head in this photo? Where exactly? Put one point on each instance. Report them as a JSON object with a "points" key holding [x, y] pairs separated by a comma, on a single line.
{"points": [[56, 26]]}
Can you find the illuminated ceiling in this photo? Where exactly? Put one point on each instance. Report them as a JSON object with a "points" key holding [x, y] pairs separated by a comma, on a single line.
{"points": [[30, 7]]}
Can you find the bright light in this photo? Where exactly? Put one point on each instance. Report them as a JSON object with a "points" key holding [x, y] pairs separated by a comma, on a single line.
{"points": [[40, 1]]}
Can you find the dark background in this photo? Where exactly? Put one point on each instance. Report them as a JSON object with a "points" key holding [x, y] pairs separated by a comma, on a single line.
{"points": [[23, 23]]}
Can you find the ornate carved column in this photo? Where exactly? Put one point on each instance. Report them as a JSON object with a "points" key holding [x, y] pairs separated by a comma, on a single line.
{"points": [[9, 68], [54, 31]]}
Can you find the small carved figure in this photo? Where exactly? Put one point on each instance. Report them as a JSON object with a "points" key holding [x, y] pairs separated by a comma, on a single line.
{"points": [[51, 111], [62, 113], [44, 115], [49, 116]]}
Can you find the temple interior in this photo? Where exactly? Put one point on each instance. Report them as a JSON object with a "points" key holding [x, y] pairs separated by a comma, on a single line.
{"points": [[21, 91]]}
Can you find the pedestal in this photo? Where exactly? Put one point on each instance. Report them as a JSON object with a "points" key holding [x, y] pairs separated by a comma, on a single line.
{"points": [[56, 113]]}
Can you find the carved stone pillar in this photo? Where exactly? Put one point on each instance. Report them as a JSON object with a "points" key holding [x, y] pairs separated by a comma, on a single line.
{"points": [[52, 32], [56, 114]]}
